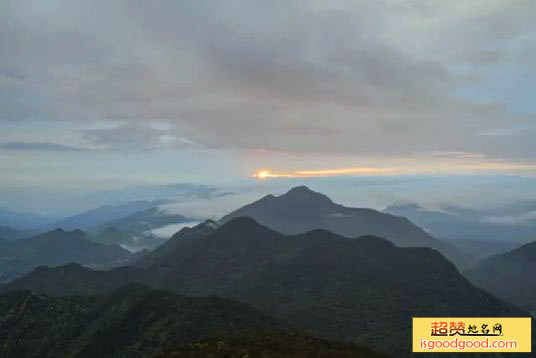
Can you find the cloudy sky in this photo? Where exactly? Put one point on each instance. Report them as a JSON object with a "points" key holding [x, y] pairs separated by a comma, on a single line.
{"points": [[96, 94]]}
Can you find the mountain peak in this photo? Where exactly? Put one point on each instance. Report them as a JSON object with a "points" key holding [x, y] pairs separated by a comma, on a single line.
{"points": [[303, 195], [302, 189]]}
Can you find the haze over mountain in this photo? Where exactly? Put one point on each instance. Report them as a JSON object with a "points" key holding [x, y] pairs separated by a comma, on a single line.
{"points": [[130, 224], [301, 210], [23, 220], [58, 247], [112, 236], [510, 276], [362, 290], [514, 222], [475, 232], [142, 223], [94, 218], [135, 225]]}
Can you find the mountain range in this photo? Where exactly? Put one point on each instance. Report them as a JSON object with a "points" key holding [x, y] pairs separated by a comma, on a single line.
{"points": [[311, 270], [131, 321], [131, 225], [464, 234], [362, 290], [23, 220], [512, 223], [136, 321], [58, 247], [301, 210], [140, 227], [98, 217]]}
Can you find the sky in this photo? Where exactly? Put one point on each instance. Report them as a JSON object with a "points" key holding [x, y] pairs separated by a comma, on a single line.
{"points": [[107, 95]]}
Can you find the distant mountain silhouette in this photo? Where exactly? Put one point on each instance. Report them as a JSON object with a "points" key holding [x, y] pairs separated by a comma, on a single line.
{"points": [[23, 220], [101, 217], [59, 247], [128, 225], [301, 210], [142, 222], [510, 276], [133, 321], [126, 240], [165, 255], [455, 223], [113, 236], [361, 290]]}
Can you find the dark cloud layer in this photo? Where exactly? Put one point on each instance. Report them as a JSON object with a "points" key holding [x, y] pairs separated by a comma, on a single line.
{"points": [[356, 77]]}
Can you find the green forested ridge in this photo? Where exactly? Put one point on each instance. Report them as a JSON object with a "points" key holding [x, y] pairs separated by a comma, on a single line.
{"points": [[362, 290], [133, 321], [165, 255], [74, 279], [58, 247], [269, 346]]}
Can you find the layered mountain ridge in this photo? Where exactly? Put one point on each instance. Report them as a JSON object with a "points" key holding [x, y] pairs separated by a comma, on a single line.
{"points": [[132, 321], [55, 248], [509, 276], [301, 210], [362, 290]]}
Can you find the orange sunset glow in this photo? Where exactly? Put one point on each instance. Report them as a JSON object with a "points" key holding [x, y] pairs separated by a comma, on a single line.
{"points": [[429, 168], [268, 173]]}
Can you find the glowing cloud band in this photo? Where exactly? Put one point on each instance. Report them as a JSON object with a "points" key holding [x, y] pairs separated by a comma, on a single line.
{"points": [[447, 168], [268, 173]]}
